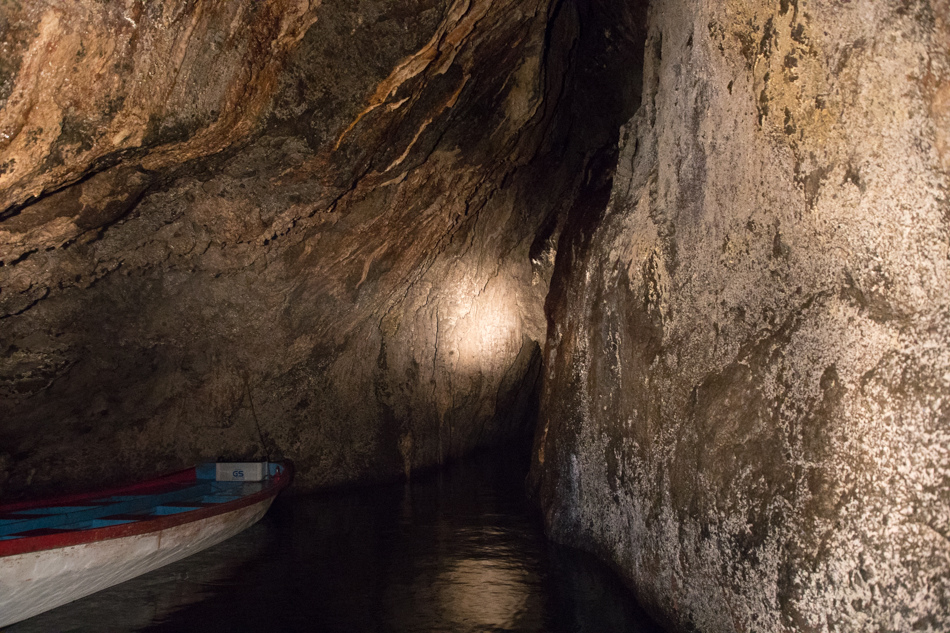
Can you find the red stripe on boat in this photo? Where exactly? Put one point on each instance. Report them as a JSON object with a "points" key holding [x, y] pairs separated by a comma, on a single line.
{"points": [[143, 525], [152, 486]]}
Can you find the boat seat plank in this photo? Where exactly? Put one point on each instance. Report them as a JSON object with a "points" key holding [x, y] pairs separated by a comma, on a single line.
{"points": [[162, 498], [63, 517]]}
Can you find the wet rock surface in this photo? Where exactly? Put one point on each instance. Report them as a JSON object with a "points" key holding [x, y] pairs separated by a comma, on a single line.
{"points": [[292, 229], [745, 400], [327, 230]]}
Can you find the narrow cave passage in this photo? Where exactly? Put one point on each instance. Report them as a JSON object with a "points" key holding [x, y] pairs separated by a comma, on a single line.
{"points": [[460, 549], [689, 257], [322, 233], [349, 270]]}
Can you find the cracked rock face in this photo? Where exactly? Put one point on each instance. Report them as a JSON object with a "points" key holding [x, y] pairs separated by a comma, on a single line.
{"points": [[746, 401], [281, 228]]}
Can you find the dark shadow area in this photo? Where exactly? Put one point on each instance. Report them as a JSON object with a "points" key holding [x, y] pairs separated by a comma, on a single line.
{"points": [[598, 47], [457, 550]]}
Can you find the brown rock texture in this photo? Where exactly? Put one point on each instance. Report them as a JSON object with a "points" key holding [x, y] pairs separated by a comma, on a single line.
{"points": [[85, 84], [314, 230], [326, 231], [746, 397]]}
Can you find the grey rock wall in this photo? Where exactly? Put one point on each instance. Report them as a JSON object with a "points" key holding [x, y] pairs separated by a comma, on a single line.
{"points": [[746, 396]]}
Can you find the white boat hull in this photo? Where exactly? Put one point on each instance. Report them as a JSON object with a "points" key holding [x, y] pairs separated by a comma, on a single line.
{"points": [[34, 582]]}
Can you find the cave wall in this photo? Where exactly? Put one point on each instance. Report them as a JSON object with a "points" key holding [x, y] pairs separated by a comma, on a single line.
{"points": [[325, 231], [746, 396], [321, 231]]}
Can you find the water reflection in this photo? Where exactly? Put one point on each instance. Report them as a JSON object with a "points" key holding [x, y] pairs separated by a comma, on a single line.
{"points": [[455, 551], [488, 593]]}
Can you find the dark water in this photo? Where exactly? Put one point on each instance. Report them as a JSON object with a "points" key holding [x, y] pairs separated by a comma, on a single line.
{"points": [[456, 551]]}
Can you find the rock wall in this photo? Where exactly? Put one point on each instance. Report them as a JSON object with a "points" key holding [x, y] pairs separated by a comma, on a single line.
{"points": [[322, 231], [746, 397]]}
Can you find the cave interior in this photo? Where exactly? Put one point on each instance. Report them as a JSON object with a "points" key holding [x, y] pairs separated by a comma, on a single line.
{"points": [[690, 255]]}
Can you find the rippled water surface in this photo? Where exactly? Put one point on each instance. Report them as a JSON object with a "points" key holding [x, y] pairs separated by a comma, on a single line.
{"points": [[455, 551]]}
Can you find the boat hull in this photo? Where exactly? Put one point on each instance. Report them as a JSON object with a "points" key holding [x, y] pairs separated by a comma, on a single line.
{"points": [[34, 582]]}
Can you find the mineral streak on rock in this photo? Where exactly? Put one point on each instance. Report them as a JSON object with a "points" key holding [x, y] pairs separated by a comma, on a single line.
{"points": [[273, 228], [327, 231], [746, 398], [90, 83]]}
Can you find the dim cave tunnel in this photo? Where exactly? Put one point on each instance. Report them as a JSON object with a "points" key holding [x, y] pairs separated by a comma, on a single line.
{"points": [[693, 256]]}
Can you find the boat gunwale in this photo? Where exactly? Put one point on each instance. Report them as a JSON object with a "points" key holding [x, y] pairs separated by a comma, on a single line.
{"points": [[28, 544], [179, 476]]}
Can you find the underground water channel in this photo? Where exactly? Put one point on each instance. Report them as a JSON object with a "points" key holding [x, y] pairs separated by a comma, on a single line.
{"points": [[461, 549]]}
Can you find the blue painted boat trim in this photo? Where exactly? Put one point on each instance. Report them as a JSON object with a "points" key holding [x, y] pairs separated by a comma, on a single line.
{"points": [[203, 491]]}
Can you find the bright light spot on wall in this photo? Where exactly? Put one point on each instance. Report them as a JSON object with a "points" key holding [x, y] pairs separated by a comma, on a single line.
{"points": [[487, 330]]}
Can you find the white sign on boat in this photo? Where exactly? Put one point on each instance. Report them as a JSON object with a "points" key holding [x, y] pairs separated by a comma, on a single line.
{"points": [[240, 471]]}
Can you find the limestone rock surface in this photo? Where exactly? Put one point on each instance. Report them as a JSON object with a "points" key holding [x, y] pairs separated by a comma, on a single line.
{"points": [[746, 398], [278, 228]]}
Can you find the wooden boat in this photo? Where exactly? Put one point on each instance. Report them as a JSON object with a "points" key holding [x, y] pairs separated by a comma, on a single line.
{"points": [[55, 551]]}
